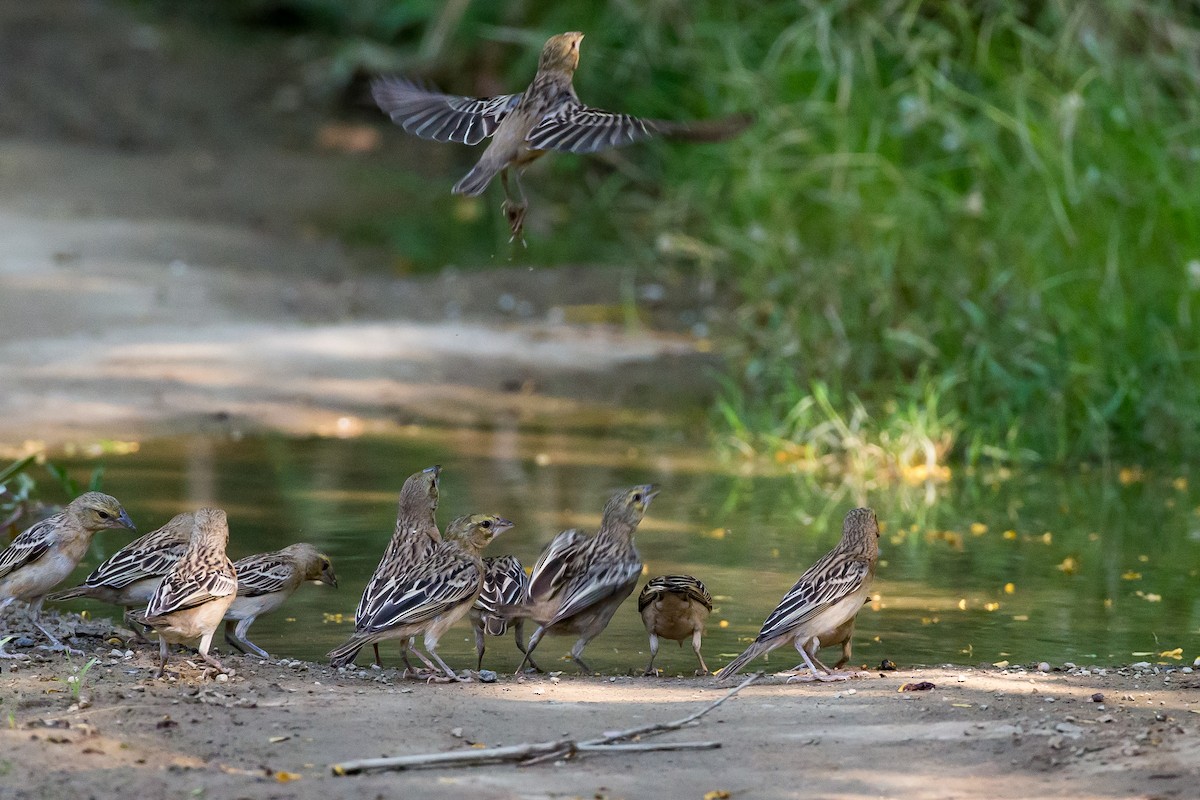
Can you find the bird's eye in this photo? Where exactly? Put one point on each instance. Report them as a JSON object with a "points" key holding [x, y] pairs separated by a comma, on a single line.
{"points": [[487, 523], [103, 514], [637, 497]]}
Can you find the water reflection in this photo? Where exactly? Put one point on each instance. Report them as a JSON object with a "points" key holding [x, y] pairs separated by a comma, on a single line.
{"points": [[1093, 567]]}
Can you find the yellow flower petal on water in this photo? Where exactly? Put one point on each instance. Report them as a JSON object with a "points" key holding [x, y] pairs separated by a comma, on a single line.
{"points": [[978, 529], [1020, 618], [717, 533], [1047, 538], [1069, 565], [1010, 535], [1108, 602], [1001, 664], [1130, 575], [1176, 654], [1144, 558], [991, 606], [723, 623], [1180, 484], [962, 604], [1009, 588]]}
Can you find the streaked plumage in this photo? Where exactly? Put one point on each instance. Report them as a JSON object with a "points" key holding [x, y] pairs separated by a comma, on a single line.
{"points": [[580, 580], [129, 577], [416, 534], [548, 115], [827, 597], [193, 597], [675, 607], [432, 595], [266, 581], [46, 553], [504, 584]]}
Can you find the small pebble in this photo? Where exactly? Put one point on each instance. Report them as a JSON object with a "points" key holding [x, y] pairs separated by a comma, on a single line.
{"points": [[222, 678], [1044, 666], [1098, 697], [487, 676]]}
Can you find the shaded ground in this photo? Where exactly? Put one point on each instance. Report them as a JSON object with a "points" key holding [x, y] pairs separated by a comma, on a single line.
{"points": [[979, 733]]}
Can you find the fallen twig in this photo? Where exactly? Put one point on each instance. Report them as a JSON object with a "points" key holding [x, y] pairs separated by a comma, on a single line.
{"points": [[536, 752]]}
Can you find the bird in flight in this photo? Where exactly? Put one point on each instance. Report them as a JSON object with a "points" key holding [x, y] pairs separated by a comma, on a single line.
{"points": [[546, 116]]}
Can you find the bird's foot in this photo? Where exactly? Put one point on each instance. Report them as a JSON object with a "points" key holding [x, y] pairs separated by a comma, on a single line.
{"points": [[59, 647], [700, 673], [651, 672], [809, 677], [515, 214], [419, 674], [441, 677], [5, 654]]}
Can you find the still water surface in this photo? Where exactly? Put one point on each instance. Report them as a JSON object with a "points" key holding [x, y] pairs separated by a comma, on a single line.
{"points": [[1096, 567]]}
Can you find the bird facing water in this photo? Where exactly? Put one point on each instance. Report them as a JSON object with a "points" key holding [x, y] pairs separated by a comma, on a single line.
{"points": [[675, 607], [266, 581], [828, 596], [548, 115]]}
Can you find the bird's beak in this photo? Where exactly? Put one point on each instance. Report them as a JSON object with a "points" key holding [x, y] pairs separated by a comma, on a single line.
{"points": [[650, 493], [126, 521], [500, 526]]}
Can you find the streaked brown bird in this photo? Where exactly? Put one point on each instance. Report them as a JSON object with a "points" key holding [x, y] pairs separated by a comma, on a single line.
{"points": [[416, 534], [47, 552], [129, 577], [675, 607], [824, 601], [193, 597], [580, 580], [546, 116], [504, 584], [266, 581], [432, 596]]}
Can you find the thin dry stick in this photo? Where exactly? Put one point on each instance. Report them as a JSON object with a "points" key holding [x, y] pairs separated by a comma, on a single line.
{"points": [[536, 752]]}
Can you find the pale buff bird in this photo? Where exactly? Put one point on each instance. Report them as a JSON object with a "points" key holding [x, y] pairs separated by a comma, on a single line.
{"points": [[824, 601], [193, 597], [675, 607], [504, 584], [579, 580], [47, 552], [266, 581], [415, 535], [129, 577], [546, 116], [430, 597]]}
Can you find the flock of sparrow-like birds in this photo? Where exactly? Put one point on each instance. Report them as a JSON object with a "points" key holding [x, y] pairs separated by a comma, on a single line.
{"points": [[177, 581]]}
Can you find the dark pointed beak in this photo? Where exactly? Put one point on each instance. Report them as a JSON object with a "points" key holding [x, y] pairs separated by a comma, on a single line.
{"points": [[501, 525], [436, 470], [126, 521]]}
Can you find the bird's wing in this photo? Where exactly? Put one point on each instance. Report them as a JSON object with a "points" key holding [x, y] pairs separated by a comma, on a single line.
{"points": [[675, 584], [441, 117], [30, 545], [556, 564], [264, 573], [189, 588], [145, 558], [592, 586], [575, 128], [833, 578], [504, 583], [447, 578]]}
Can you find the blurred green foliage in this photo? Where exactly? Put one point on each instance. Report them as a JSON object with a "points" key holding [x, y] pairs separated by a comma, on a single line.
{"points": [[966, 229]]}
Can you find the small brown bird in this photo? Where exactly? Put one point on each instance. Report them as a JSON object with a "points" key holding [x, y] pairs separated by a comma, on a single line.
{"points": [[546, 116], [675, 607], [415, 536], [824, 601], [47, 552], [580, 580], [266, 581], [129, 577], [504, 584], [193, 597], [430, 597]]}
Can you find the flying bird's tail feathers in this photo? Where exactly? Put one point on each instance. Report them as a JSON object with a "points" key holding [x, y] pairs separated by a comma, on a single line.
{"points": [[475, 181]]}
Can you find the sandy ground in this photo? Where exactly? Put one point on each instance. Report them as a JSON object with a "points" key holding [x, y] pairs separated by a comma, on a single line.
{"points": [[157, 278], [274, 729]]}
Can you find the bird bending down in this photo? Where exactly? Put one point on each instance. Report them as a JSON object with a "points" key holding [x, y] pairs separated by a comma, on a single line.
{"points": [[546, 116], [580, 580], [47, 552], [504, 584], [828, 596], [129, 577], [429, 598], [265, 582], [193, 597], [675, 607], [415, 535]]}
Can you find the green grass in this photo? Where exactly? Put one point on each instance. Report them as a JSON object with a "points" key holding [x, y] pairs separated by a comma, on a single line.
{"points": [[973, 227]]}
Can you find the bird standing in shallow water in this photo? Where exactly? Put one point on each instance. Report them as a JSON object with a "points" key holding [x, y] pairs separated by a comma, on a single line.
{"points": [[674, 607], [827, 597], [193, 597], [580, 580], [47, 552], [432, 596], [129, 577], [266, 581], [546, 116]]}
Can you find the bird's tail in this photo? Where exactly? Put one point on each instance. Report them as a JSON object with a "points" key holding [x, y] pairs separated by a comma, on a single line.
{"points": [[344, 655], [749, 654], [495, 624], [70, 594], [475, 181]]}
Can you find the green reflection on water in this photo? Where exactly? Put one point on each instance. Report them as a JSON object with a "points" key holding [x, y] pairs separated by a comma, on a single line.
{"points": [[1073, 544]]}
